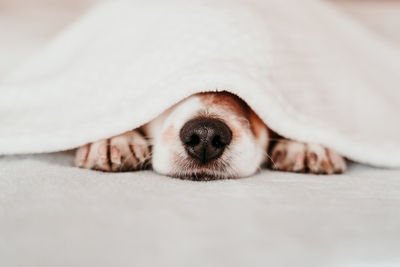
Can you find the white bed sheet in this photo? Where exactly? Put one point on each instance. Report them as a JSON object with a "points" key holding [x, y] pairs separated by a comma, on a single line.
{"points": [[53, 214]]}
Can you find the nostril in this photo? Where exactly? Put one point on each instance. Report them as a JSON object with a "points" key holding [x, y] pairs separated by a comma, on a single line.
{"points": [[205, 139], [216, 142], [194, 140]]}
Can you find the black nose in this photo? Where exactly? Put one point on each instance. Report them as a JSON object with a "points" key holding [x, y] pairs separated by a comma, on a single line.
{"points": [[205, 139]]}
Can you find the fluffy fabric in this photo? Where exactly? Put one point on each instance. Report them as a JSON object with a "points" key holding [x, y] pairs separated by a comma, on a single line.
{"points": [[310, 72]]}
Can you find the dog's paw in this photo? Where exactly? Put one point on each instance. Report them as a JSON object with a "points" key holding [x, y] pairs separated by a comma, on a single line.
{"points": [[125, 152], [288, 155]]}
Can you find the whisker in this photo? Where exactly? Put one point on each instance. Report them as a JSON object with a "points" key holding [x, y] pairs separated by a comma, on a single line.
{"points": [[265, 153]]}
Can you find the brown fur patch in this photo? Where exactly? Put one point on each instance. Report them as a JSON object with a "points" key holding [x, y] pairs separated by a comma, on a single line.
{"points": [[226, 100], [237, 106], [256, 124]]}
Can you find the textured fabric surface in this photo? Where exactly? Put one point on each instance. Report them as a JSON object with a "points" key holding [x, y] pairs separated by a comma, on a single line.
{"points": [[306, 68], [53, 214]]}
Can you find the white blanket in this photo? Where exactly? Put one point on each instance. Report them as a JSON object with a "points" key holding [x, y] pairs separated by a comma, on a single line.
{"points": [[52, 214], [309, 71]]}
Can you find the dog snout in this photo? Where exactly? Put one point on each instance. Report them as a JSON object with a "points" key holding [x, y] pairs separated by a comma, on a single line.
{"points": [[205, 139]]}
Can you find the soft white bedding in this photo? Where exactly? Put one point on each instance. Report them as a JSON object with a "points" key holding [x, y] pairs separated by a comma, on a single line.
{"points": [[52, 214], [308, 70]]}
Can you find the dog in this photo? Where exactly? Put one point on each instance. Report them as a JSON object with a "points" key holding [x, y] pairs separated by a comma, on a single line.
{"points": [[212, 135]]}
